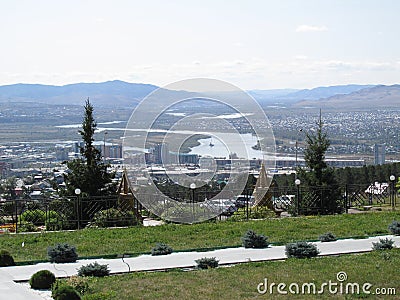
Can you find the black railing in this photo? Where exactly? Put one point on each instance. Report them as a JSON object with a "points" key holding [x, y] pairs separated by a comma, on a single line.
{"points": [[67, 213], [78, 212]]}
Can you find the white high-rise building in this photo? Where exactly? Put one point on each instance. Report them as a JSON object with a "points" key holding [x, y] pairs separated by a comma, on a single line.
{"points": [[379, 154]]}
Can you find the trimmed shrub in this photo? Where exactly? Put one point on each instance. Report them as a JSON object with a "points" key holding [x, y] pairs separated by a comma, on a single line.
{"points": [[254, 240], [161, 249], [6, 259], [383, 244], [327, 237], [62, 253], [42, 280], [114, 218], [62, 291], [26, 226], [394, 227], [301, 250], [94, 269], [207, 263], [35, 216]]}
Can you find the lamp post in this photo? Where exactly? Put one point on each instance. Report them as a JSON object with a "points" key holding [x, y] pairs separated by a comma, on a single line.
{"points": [[297, 182], [193, 187], [392, 190], [297, 148], [77, 193]]}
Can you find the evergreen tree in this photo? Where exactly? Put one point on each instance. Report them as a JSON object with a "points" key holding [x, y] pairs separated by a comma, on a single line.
{"points": [[365, 175], [314, 155], [89, 173], [320, 175]]}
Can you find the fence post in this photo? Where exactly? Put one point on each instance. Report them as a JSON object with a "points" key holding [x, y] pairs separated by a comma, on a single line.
{"points": [[78, 212], [298, 200], [16, 215], [247, 204], [393, 195], [345, 198]]}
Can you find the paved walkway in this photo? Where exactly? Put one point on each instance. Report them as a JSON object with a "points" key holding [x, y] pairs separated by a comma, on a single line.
{"points": [[11, 290]]}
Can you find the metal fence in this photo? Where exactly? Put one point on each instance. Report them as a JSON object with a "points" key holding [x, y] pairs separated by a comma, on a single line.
{"points": [[67, 213], [78, 212]]}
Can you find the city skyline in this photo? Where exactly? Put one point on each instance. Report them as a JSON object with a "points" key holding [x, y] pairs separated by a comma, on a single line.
{"points": [[254, 45]]}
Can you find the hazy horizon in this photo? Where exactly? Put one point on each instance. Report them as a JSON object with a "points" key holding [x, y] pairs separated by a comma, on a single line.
{"points": [[147, 83]]}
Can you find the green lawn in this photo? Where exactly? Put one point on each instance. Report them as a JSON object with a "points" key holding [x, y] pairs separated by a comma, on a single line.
{"points": [[100, 242], [240, 281]]}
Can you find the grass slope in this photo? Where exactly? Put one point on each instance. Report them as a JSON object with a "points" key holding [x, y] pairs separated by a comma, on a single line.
{"points": [[240, 281], [100, 242]]}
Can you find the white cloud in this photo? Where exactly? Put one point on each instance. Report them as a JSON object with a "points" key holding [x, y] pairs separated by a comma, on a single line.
{"points": [[310, 28]]}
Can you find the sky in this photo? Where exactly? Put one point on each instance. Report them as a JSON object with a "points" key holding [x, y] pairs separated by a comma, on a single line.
{"points": [[251, 44]]}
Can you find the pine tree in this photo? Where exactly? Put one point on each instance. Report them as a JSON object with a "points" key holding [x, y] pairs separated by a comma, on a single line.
{"points": [[314, 154], [320, 175], [89, 173]]}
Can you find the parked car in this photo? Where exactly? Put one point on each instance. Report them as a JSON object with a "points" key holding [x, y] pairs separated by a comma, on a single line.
{"points": [[241, 201], [283, 202], [225, 206]]}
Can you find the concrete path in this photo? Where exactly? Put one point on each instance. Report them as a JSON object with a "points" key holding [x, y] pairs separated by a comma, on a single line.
{"points": [[175, 260]]}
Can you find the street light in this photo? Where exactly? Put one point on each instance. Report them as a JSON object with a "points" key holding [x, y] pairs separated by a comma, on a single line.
{"points": [[193, 187], [297, 182], [392, 179], [77, 193]]}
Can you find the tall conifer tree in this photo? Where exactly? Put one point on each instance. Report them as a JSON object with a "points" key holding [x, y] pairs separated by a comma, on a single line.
{"points": [[89, 173]]}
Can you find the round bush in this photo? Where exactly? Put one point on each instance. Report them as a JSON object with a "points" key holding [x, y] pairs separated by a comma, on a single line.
{"points": [[383, 244], [301, 250], [207, 263], [161, 249], [254, 240], [42, 280], [36, 216], [327, 237], [65, 292], [94, 269], [62, 253], [394, 228], [6, 259]]}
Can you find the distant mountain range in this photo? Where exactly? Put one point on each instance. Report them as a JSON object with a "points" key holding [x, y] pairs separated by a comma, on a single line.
{"points": [[292, 96], [380, 96], [124, 94], [110, 93]]}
